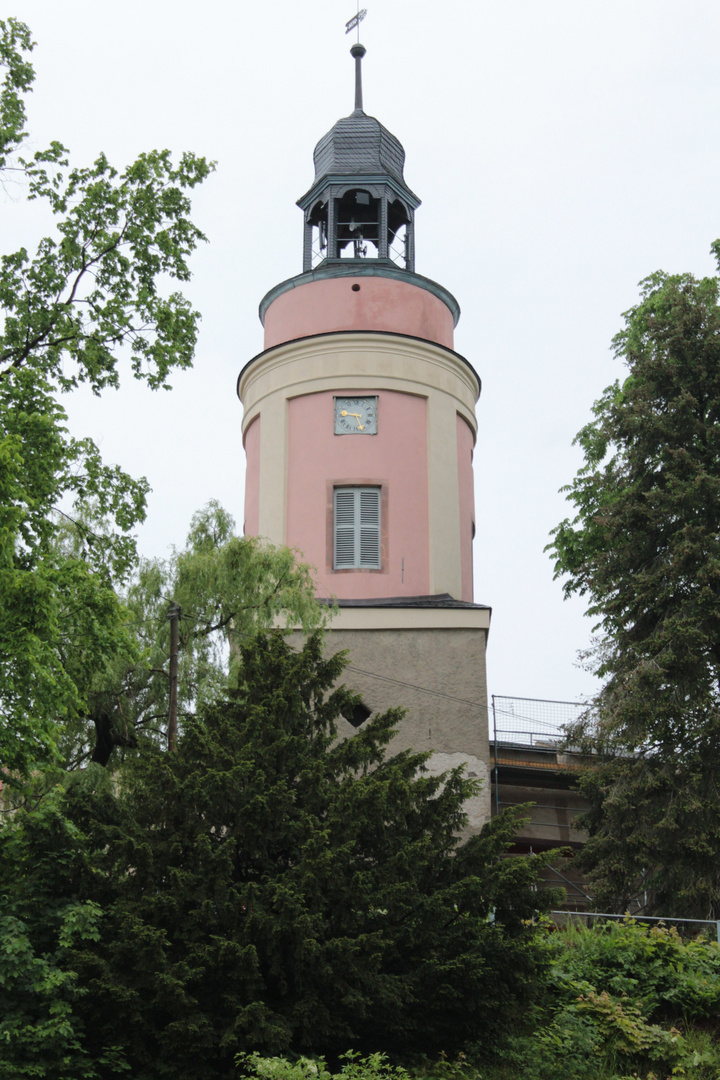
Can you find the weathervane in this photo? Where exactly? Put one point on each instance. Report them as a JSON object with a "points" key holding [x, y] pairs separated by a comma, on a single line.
{"points": [[354, 23]]}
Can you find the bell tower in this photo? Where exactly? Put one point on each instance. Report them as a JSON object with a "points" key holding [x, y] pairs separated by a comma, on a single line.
{"points": [[359, 426], [359, 205]]}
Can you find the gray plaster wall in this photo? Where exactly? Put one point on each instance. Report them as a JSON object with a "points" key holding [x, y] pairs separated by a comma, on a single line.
{"points": [[438, 676], [479, 807]]}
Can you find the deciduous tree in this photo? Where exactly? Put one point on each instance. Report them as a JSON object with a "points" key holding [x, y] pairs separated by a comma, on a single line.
{"points": [[227, 588], [74, 305], [644, 547]]}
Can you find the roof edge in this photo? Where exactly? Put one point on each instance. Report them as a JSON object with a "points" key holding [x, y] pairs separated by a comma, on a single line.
{"points": [[437, 600], [334, 178]]}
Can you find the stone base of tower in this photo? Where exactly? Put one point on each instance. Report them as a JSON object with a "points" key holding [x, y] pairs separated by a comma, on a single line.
{"points": [[425, 655]]}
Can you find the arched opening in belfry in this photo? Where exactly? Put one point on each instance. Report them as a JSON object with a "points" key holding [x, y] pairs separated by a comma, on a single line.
{"points": [[399, 234], [318, 222], [358, 225]]}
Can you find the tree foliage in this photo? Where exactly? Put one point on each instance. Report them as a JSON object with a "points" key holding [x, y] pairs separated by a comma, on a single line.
{"points": [[270, 888], [644, 548], [41, 1034], [227, 588], [73, 306]]}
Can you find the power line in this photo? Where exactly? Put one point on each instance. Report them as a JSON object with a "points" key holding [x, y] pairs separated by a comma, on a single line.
{"points": [[362, 671], [414, 686]]}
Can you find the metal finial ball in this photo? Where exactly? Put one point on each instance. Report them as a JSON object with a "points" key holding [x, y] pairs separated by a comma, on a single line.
{"points": [[358, 50]]}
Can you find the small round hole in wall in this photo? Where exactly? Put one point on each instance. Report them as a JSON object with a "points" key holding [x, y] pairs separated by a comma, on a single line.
{"points": [[356, 288]]}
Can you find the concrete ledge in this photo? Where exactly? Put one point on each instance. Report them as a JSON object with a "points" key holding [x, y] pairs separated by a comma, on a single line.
{"points": [[396, 618]]}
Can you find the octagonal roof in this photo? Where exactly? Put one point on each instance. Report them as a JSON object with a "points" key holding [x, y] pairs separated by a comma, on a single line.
{"points": [[359, 145]]}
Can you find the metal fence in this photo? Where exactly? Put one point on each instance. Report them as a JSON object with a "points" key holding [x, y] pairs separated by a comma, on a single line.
{"points": [[533, 722], [668, 920]]}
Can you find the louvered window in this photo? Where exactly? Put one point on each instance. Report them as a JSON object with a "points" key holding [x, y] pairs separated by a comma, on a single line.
{"points": [[357, 528]]}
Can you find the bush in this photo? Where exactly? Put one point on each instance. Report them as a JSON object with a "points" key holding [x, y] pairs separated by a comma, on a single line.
{"points": [[355, 1067], [618, 1004], [667, 976]]}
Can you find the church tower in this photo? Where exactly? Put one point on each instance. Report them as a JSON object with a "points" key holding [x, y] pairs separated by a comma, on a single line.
{"points": [[359, 427]]}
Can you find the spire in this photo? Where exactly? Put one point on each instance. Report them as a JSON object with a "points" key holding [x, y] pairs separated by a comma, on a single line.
{"points": [[359, 206], [358, 51]]}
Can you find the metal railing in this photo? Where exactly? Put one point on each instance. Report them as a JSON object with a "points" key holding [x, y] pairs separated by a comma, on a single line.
{"points": [[639, 918], [532, 723]]}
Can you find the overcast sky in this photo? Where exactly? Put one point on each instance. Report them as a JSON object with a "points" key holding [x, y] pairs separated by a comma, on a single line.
{"points": [[563, 150]]}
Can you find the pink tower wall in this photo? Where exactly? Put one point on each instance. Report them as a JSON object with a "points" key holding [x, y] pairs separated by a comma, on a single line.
{"points": [[362, 303], [395, 458]]}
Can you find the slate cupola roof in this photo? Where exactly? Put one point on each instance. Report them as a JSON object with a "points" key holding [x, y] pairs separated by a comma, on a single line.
{"points": [[359, 144]]}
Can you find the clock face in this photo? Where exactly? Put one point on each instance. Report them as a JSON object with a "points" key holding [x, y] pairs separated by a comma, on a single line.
{"points": [[356, 416]]}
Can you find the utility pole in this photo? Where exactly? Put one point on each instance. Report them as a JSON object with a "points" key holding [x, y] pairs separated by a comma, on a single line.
{"points": [[174, 617]]}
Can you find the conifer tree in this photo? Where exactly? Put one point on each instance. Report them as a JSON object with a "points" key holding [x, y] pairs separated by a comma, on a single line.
{"points": [[270, 888]]}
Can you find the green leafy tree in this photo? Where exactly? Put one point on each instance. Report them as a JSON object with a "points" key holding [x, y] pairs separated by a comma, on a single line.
{"points": [[40, 1032], [227, 587], [270, 888], [88, 297], [644, 548]]}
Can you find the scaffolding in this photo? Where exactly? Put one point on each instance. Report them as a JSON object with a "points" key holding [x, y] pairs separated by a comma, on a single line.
{"points": [[530, 746]]}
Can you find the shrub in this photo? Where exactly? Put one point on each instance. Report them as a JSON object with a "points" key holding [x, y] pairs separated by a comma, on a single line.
{"points": [[617, 1006]]}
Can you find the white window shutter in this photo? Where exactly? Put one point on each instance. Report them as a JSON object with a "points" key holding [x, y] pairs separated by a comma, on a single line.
{"points": [[344, 528], [357, 528], [369, 547]]}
